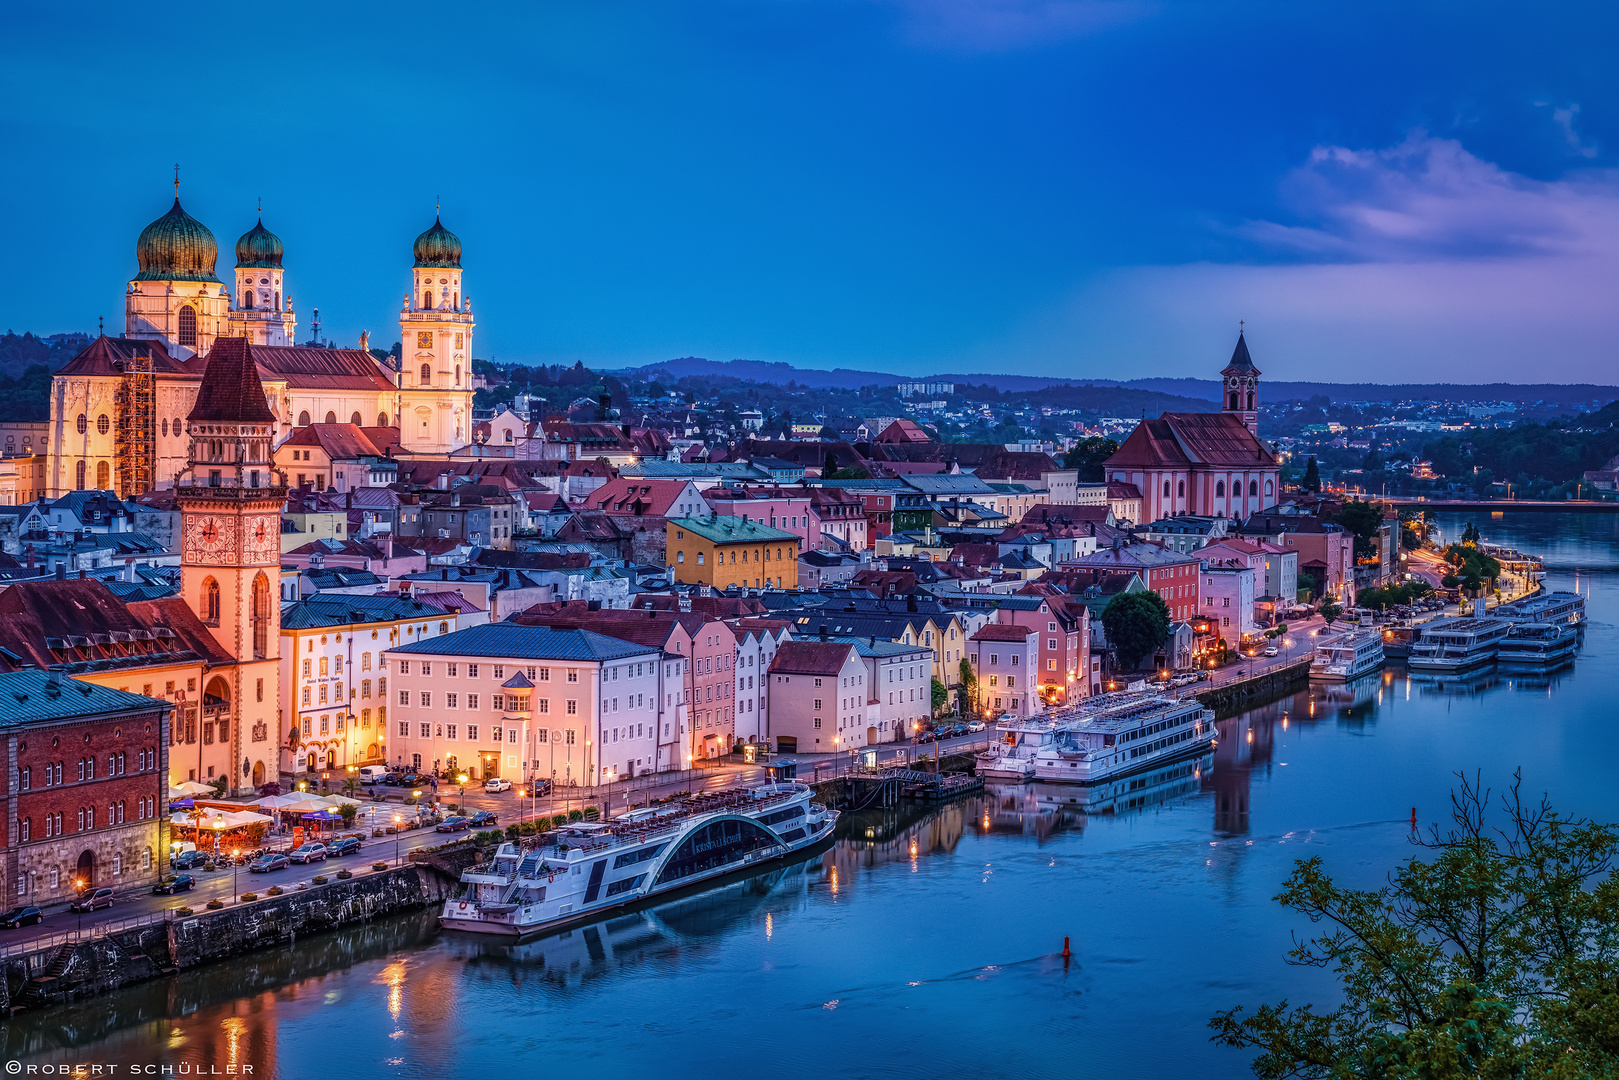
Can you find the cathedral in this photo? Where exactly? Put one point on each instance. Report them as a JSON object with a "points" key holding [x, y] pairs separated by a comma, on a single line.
{"points": [[118, 408]]}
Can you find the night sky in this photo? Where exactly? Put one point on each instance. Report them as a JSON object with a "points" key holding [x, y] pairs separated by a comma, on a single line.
{"points": [[1382, 191]]}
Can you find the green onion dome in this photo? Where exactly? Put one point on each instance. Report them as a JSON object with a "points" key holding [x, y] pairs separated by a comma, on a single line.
{"points": [[438, 246], [259, 247], [176, 247]]}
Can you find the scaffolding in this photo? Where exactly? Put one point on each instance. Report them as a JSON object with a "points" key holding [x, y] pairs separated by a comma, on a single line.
{"points": [[137, 428]]}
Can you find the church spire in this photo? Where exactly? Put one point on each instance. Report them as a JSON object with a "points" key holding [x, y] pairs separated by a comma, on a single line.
{"points": [[1240, 385]]}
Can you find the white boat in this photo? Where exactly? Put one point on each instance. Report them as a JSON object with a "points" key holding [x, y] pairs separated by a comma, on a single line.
{"points": [[1457, 644], [1011, 755], [593, 868], [1120, 734], [1545, 607], [1348, 658], [1537, 644]]}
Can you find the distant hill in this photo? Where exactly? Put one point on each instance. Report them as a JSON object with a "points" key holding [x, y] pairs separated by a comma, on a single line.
{"points": [[1184, 391], [19, 352]]}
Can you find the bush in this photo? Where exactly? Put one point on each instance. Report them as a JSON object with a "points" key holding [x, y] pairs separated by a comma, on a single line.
{"points": [[274, 890], [183, 912], [512, 832], [319, 879], [528, 828], [249, 897], [376, 832], [379, 866], [576, 815], [591, 813], [344, 875], [559, 821], [215, 904]]}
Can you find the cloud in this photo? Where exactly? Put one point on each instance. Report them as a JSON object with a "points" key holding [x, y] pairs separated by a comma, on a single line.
{"points": [[1003, 25], [1419, 262], [1564, 118], [1430, 198]]}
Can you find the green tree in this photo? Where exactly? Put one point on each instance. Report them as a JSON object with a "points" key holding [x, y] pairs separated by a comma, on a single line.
{"points": [[1363, 519], [1331, 610], [969, 686], [1088, 456], [348, 811], [1312, 476], [941, 697], [1136, 624], [1493, 952]]}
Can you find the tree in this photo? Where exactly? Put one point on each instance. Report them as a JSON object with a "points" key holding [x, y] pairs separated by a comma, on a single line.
{"points": [[349, 812], [941, 697], [1363, 519], [969, 687], [1470, 534], [1331, 610], [1491, 953], [1136, 624], [1088, 456], [1312, 476]]}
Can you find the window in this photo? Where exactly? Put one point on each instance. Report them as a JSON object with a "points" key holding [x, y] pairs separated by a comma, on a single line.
{"points": [[450, 701], [427, 731], [210, 602], [186, 326], [1219, 489], [427, 700], [427, 375], [472, 701], [404, 697]]}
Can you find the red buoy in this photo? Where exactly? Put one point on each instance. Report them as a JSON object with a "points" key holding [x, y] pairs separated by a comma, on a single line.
{"points": [[1066, 951]]}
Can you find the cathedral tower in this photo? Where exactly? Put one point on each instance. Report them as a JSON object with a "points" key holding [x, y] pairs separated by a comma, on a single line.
{"points": [[435, 340], [231, 496], [262, 312], [174, 296], [1241, 388]]}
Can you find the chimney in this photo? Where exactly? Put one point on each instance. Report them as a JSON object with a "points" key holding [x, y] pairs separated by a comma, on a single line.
{"points": [[823, 631], [53, 679], [444, 573], [388, 548], [83, 574], [61, 571]]}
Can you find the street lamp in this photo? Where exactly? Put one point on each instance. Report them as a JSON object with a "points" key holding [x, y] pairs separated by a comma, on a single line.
{"points": [[462, 780], [398, 820]]}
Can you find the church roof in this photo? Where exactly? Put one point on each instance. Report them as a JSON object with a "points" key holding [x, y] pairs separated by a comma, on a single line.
{"points": [[176, 247], [259, 247], [339, 442], [438, 246], [1241, 362], [231, 390], [104, 355], [307, 368], [1184, 440]]}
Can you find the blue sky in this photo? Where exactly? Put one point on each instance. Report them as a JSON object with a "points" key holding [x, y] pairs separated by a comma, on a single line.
{"points": [[1067, 187]]}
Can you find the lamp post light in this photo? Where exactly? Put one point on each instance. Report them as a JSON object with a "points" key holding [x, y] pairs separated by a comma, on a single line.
{"points": [[398, 820], [461, 779]]}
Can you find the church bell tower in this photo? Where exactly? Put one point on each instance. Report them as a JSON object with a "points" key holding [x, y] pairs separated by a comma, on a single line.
{"points": [[435, 349], [1240, 393]]}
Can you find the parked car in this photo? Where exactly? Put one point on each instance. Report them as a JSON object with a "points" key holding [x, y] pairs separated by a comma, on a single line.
{"points": [[188, 860], [21, 916], [958, 731], [452, 824], [265, 863], [90, 899], [1271, 651], [927, 736], [308, 853], [483, 819], [975, 726], [496, 784], [176, 884], [345, 845]]}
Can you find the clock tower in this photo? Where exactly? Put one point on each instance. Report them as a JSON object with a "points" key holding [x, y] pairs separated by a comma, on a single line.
{"points": [[231, 497], [434, 400]]}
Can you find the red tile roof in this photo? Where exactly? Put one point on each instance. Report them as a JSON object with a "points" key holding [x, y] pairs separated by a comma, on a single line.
{"points": [[231, 390], [316, 369], [811, 657], [1003, 632], [623, 496], [1178, 440], [340, 442]]}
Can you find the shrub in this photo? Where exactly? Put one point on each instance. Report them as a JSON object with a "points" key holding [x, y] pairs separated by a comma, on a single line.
{"points": [[528, 828], [248, 897], [592, 813], [274, 890], [182, 912], [576, 815], [213, 904], [559, 821], [344, 875], [319, 879], [512, 832], [379, 866]]}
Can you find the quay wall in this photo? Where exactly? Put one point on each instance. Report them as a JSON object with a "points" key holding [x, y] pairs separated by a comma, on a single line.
{"points": [[87, 968], [1234, 697]]}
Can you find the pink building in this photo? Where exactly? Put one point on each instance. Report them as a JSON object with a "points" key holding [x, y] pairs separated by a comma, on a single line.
{"points": [[1006, 661]]}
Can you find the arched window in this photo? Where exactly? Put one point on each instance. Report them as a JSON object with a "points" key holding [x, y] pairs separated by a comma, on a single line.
{"points": [[1180, 489], [103, 476], [1219, 489], [166, 427], [103, 424], [1250, 401], [331, 418], [382, 419], [187, 323], [82, 423], [427, 375], [247, 298], [278, 299], [303, 418], [427, 299], [356, 421], [1268, 491], [1233, 401], [78, 476], [261, 616], [210, 602], [1253, 487], [458, 299], [1166, 488], [458, 374]]}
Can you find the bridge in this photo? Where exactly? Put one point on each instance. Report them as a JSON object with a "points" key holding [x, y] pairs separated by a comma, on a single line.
{"points": [[1501, 506]]}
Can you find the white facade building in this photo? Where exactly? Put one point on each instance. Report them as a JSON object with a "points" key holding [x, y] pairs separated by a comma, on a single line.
{"points": [[1226, 600], [1006, 661]]}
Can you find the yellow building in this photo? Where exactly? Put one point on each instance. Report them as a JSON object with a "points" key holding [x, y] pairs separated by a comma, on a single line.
{"points": [[725, 550]]}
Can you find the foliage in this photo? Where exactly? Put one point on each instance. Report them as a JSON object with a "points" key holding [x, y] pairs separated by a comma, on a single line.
{"points": [[218, 783], [1494, 952], [560, 820], [272, 788], [1450, 581], [851, 474], [1363, 519], [591, 813], [1088, 456], [1312, 476], [348, 812], [969, 686], [941, 697], [1136, 624], [1470, 534], [1473, 567], [1330, 610], [1394, 595]]}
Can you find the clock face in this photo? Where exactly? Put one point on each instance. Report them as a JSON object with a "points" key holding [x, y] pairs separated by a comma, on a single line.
{"points": [[262, 544], [209, 540]]}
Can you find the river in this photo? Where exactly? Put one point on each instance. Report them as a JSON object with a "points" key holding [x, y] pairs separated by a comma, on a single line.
{"points": [[927, 944]]}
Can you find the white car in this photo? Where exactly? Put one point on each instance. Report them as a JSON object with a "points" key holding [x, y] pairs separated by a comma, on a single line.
{"points": [[497, 784], [976, 725], [1271, 651]]}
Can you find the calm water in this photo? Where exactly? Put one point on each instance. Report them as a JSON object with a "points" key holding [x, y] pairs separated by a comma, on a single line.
{"points": [[927, 945]]}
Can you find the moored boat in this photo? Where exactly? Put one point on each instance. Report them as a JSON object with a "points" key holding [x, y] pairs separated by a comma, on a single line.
{"points": [[1536, 644], [1457, 644], [1123, 734], [1347, 658]]}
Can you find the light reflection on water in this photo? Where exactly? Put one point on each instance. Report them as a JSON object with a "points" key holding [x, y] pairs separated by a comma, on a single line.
{"points": [[927, 943]]}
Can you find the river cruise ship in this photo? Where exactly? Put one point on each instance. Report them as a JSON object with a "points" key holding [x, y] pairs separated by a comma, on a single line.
{"points": [[1537, 644], [593, 868], [1546, 607], [1346, 658], [1011, 755], [1127, 734], [1457, 644]]}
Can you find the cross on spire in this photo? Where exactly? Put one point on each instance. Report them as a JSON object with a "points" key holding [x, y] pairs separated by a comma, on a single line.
{"points": [[177, 180]]}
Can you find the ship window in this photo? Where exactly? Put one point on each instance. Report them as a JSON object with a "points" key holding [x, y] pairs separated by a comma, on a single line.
{"points": [[625, 885], [717, 844]]}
